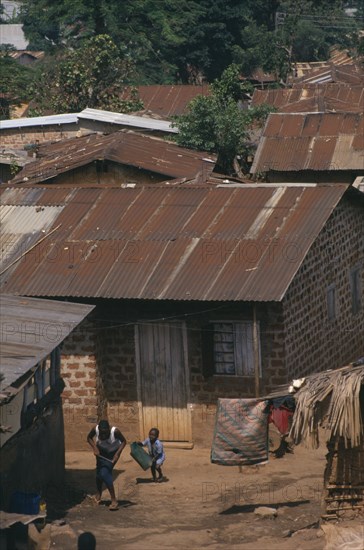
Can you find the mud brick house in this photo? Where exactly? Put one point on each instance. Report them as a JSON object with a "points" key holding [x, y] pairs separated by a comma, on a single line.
{"points": [[20, 133], [121, 157], [31, 415], [311, 147], [200, 292]]}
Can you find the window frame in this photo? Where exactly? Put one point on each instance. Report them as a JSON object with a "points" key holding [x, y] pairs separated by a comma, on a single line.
{"points": [[356, 289], [238, 369], [331, 304]]}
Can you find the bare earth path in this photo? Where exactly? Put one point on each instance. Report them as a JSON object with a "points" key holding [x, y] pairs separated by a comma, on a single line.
{"points": [[202, 504]]}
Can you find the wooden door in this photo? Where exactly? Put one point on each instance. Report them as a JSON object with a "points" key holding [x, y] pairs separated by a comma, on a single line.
{"points": [[163, 380]]}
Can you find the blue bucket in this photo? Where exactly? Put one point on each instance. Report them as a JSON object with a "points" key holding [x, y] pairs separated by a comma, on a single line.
{"points": [[25, 503]]}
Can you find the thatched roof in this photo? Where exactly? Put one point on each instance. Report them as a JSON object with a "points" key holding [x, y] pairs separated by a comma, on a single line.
{"points": [[331, 400]]}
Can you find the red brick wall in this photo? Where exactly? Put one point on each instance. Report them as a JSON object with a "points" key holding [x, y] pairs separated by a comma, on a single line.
{"points": [[79, 371], [16, 138], [313, 343], [99, 368]]}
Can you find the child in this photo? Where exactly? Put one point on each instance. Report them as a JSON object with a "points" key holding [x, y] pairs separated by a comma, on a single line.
{"points": [[155, 450], [107, 447]]}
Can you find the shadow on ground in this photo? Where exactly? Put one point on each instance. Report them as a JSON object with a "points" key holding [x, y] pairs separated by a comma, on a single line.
{"points": [[248, 508], [77, 484]]}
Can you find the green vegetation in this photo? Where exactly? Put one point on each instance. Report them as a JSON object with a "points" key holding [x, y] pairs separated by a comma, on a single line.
{"points": [[217, 123], [185, 40], [93, 75], [14, 83]]}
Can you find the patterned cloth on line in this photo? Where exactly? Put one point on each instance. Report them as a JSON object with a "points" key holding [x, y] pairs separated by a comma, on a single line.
{"points": [[241, 432]]}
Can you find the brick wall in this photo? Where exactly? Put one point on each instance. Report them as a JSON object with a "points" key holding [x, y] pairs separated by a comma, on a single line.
{"points": [[313, 343], [117, 381], [17, 138], [99, 369], [205, 391], [79, 371]]}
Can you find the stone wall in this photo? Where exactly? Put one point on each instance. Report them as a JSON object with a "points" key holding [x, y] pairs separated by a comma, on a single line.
{"points": [[313, 342]]}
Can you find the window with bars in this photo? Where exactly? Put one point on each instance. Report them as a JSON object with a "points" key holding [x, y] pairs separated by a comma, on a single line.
{"points": [[331, 302], [233, 348], [356, 289]]}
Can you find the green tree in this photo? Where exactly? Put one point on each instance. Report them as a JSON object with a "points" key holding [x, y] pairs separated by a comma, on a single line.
{"points": [[218, 124], [186, 40], [93, 76], [14, 83]]}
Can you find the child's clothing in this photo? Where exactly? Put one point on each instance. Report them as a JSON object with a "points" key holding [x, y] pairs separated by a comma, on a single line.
{"points": [[155, 450], [107, 448]]}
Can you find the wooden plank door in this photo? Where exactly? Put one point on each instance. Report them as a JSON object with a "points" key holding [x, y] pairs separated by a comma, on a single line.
{"points": [[163, 380]]}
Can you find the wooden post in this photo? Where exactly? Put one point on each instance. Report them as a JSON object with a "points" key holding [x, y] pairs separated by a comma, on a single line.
{"points": [[256, 352]]}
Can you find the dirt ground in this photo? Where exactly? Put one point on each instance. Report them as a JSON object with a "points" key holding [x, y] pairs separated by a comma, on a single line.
{"points": [[201, 504]]}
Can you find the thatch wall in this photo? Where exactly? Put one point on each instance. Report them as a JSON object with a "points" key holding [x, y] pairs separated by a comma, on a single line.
{"points": [[343, 479]]}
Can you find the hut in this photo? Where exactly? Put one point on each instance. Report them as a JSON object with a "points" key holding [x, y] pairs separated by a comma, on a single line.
{"points": [[334, 401]]}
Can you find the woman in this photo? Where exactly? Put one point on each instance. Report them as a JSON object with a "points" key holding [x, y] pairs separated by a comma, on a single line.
{"points": [[107, 444]]}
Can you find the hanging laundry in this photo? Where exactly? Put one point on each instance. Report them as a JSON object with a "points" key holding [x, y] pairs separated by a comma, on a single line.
{"points": [[241, 432], [281, 419], [281, 412]]}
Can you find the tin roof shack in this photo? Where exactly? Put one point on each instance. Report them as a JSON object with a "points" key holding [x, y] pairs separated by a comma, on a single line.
{"points": [[334, 400], [352, 74], [123, 157], [23, 133], [31, 418], [311, 147], [202, 291], [26, 57]]}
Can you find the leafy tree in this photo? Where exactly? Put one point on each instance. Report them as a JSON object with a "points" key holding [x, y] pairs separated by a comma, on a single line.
{"points": [[217, 123], [92, 76], [14, 83], [187, 40]]}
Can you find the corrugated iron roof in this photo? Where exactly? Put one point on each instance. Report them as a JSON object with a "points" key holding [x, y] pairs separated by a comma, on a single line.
{"points": [[30, 329], [135, 121], [70, 118], [311, 141], [168, 100], [350, 74], [333, 97], [31, 53], [124, 147], [239, 242]]}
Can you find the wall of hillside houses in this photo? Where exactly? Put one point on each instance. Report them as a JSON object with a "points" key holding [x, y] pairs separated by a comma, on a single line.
{"points": [[107, 172], [17, 138], [99, 366], [313, 341]]}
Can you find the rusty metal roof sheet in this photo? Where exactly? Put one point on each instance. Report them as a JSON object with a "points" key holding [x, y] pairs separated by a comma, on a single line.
{"points": [[333, 97], [167, 100], [30, 329], [311, 141], [124, 147], [350, 74], [211, 242]]}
